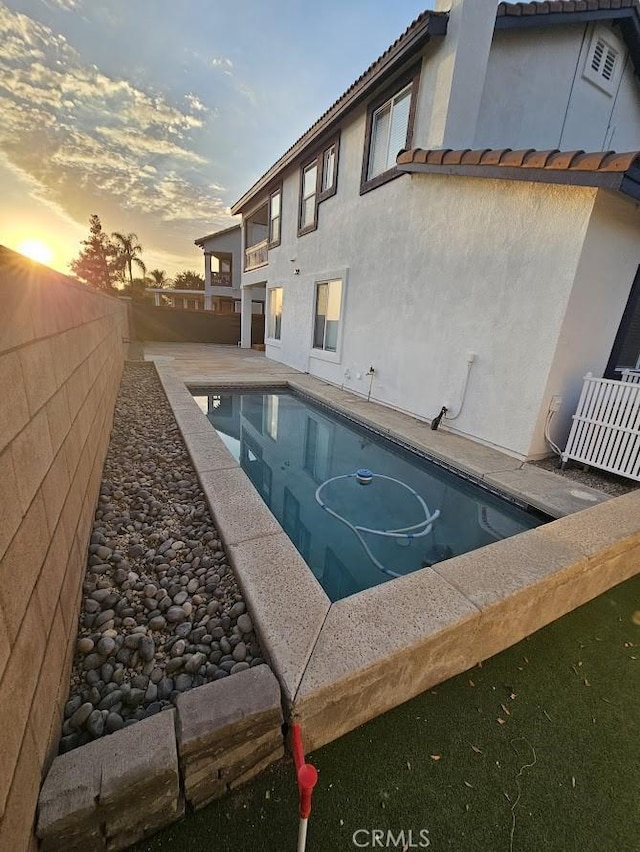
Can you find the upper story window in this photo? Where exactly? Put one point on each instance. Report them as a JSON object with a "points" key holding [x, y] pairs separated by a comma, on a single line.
{"points": [[389, 132], [308, 196], [389, 129], [603, 64], [329, 168], [275, 202], [318, 181]]}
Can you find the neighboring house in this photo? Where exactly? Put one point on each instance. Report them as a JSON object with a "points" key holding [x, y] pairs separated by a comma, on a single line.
{"points": [[221, 292], [467, 274], [188, 300], [222, 285]]}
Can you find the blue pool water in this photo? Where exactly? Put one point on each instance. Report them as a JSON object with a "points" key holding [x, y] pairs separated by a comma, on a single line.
{"points": [[302, 458]]}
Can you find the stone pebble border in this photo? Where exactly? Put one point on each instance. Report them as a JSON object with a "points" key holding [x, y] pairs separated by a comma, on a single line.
{"points": [[119, 789], [161, 610]]}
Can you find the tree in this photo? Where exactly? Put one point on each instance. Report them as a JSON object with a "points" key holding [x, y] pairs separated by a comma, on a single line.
{"points": [[137, 289], [188, 280], [159, 278], [95, 265], [128, 248]]}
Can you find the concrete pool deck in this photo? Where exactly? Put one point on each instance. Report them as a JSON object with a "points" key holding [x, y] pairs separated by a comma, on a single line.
{"points": [[340, 664]]}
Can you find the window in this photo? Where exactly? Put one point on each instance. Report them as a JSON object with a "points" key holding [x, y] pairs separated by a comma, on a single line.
{"points": [[308, 196], [327, 315], [274, 319], [318, 181], [328, 168], [603, 61], [274, 218], [389, 130]]}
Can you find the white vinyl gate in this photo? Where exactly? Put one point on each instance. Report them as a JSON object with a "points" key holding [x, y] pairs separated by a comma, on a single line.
{"points": [[606, 426]]}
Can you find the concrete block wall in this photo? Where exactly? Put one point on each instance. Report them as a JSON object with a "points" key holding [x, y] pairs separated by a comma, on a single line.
{"points": [[114, 791], [61, 358]]}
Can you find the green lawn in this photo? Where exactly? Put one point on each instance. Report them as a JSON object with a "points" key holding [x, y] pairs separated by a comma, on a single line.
{"points": [[451, 761]]}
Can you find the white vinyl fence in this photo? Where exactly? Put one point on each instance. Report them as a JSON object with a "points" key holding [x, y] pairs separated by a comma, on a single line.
{"points": [[631, 376], [606, 426]]}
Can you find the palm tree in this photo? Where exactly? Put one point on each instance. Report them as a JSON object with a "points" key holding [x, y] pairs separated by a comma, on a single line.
{"points": [[159, 278], [128, 249]]}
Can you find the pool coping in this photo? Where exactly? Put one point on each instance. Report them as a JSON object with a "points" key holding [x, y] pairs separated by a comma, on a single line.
{"points": [[341, 664]]}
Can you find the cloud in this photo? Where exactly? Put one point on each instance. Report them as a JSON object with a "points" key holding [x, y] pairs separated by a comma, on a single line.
{"points": [[195, 103], [81, 135], [223, 64], [66, 5]]}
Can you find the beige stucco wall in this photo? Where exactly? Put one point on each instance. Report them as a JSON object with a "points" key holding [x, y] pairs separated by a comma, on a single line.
{"points": [[608, 264], [61, 357]]}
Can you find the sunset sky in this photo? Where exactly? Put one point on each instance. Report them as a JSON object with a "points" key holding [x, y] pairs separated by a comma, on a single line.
{"points": [[158, 114]]}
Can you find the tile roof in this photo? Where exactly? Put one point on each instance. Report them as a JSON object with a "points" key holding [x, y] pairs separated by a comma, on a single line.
{"points": [[608, 169], [426, 25], [555, 7]]}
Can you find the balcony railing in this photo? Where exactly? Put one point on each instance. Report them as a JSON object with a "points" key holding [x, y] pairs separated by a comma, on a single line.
{"points": [[221, 279], [256, 256]]}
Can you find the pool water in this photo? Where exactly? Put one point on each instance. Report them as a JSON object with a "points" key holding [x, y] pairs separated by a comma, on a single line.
{"points": [[352, 532]]}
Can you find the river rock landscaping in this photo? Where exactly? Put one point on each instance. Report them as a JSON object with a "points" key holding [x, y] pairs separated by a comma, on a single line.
{"points": [[161, 610]]}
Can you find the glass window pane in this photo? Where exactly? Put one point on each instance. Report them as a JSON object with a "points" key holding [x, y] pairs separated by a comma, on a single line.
{"points": [[333, 301], [379, 140], [328, 168], [309, 182], [321, 312], [308, 211], [274, 236], [399, 125], [274, 319], [327, 316], [275, 205]]}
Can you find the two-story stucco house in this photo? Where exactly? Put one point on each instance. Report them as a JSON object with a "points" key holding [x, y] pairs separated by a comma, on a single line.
{"points": [[442, 224]]}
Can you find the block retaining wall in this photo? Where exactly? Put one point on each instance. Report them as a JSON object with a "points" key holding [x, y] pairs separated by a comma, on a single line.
{"points": [[116, 790], [61, 358]]}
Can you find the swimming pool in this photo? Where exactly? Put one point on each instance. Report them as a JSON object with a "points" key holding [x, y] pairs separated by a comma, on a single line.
{"points": [[359, 508]]}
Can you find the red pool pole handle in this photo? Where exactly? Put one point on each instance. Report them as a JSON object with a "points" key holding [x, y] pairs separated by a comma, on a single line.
{"points": [[306, 774]]}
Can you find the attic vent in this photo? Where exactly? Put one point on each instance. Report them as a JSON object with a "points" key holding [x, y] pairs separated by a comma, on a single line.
{"points": [[602, 63], [604, 59]]}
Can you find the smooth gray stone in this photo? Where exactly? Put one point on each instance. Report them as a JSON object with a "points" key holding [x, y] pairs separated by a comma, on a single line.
{"points": [[81, 715], [95, 724], [147, 649], [183, 682]]}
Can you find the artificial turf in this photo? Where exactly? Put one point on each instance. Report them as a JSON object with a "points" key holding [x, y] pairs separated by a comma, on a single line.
{"points": [[456, 761]]}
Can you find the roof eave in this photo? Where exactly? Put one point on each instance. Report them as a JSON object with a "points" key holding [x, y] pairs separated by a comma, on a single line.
{"points": [[604, 180], [201, 240], [434, 24]]}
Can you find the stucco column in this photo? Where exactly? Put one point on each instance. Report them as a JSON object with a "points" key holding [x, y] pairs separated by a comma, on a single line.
{"points": [[245, 318], [464, 57], [156, 298], [207, 282]]}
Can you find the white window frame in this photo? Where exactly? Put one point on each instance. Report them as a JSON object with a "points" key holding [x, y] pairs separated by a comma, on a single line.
{"points": [[391, 102], [323, 354], [277, 193], [274, 341], [309, 226], [329, 155]]}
